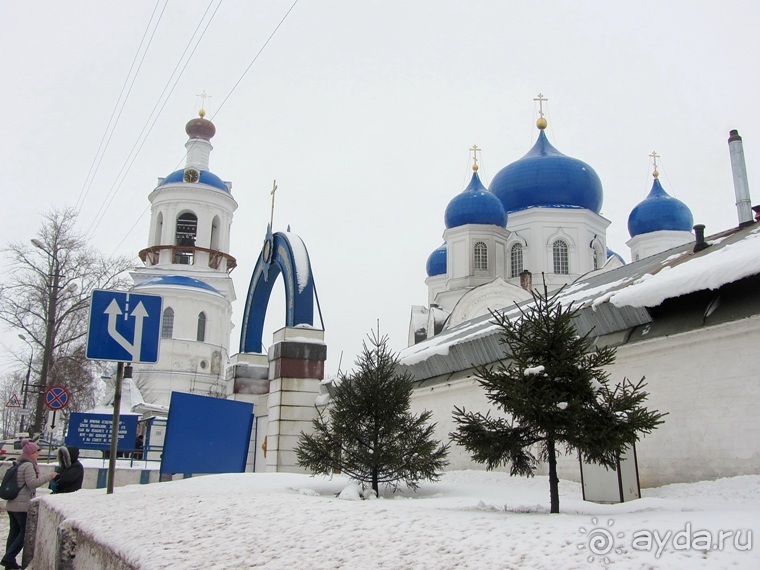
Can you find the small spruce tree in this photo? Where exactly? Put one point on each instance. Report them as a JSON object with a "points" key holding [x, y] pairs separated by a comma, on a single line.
{"points": [[367, 431], [554, 391]]}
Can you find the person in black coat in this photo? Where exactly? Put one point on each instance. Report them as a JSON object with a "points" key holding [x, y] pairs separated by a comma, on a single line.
{"points": [[70, 470]]}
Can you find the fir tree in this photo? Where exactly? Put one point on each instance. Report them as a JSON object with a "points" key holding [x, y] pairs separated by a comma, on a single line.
{"points": [[553, 391], [368, 432]]}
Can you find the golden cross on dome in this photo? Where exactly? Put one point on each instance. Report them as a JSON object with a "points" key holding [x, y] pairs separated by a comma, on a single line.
{"points": [[203, 97], [274, 189], [540, 100], [655, 156], [475, 148]]}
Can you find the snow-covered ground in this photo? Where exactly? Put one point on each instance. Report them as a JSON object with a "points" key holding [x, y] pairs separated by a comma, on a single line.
{"points": [[470, 519]]}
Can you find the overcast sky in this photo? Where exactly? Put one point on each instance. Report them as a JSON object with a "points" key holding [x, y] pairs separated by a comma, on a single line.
{"points": [[364, 113]]}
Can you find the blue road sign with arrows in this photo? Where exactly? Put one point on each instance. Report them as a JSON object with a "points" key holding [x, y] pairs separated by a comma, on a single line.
{"points": [[124, 327]]}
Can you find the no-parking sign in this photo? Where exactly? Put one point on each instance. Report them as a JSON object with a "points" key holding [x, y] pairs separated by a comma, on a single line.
{"points": [[57, 397]]}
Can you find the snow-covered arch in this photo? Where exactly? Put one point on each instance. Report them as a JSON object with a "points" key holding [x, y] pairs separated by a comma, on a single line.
{"points": [[285, 253]]}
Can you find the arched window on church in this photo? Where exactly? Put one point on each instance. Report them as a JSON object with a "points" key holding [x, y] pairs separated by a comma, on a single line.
{"points": [[215, 233], [167, 323], [201, 335], [559, 255], [481, 256], [187, 230], [516, 260], [159, 229]]}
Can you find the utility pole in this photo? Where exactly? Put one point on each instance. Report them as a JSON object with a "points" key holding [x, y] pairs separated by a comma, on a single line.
{"points": [[122, 371], [47, 355], [25, 389]]}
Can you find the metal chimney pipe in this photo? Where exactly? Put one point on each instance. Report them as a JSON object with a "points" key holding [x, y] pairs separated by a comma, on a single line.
{"points": [[699, 242], [741, 184]]}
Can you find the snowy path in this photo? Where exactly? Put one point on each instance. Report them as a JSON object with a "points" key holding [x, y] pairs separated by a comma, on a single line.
{"points": [[469, 520]]}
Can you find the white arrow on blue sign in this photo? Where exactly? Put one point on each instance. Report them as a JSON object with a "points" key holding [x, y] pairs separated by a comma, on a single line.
{"points": [[124, 327]]}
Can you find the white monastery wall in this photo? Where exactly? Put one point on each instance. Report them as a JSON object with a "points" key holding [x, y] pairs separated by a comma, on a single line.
{"points": [[440, 399], [706, 382]]}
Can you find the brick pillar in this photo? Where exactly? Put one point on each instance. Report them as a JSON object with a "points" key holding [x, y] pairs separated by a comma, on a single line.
{"points": [[296, 368]]}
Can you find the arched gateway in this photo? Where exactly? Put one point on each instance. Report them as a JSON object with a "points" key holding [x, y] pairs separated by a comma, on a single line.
{"points": [[283, 383], [285, 253]]}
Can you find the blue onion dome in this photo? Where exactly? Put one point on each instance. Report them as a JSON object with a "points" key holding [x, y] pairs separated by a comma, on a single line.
{"points": [[659, 211], [475, 205], [436, 262], [545, 177]]}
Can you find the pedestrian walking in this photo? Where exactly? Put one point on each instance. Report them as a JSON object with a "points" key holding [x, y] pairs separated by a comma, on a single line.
{"points": [[28, 478]]}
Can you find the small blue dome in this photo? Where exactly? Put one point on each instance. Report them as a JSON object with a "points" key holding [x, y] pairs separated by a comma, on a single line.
{"points": [[475, 205], [436, 262], [611, 253], [206, 177], [659, 211], [177, 280], [547, 178]]}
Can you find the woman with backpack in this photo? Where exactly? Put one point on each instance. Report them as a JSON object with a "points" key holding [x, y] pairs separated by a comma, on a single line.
{"points": [[28, 478]]}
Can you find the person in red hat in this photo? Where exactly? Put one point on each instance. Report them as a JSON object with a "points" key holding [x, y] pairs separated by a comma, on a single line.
{"points": [[29, 478]]}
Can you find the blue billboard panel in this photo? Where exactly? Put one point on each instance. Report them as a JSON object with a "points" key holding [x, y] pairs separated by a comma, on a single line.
{"points": [[93, 431], [206, 435], [124, 327]]}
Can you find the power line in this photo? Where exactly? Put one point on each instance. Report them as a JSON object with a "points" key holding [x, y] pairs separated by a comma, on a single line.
{"points": [[256, 57], [143, 136], [126, 235], [112, 123], [234, 87]]}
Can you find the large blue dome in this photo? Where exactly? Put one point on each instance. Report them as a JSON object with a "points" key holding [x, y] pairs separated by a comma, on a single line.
{"points": [[206, 177], [547, 178], [436, 262], [659, 211], [475, 205]]}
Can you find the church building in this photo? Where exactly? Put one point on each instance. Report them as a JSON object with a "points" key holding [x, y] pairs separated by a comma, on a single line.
{"points": [[684, 314]]}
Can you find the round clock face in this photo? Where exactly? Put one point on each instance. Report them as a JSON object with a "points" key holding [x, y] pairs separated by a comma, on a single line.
{"points": [[191, 175]]}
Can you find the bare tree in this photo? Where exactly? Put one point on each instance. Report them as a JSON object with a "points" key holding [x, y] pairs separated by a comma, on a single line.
{"points": [[45, 295]]}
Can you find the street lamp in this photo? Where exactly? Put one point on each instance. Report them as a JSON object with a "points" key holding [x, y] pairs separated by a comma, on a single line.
{"points": [[54, 277], [26, 382]]}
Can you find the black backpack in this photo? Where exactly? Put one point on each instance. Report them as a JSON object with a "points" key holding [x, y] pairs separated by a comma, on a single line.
{"points": [[9, 488]]}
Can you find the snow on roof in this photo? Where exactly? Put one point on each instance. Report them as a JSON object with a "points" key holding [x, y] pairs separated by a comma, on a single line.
{"points": [[727, 264], [130, 397], [731, 255]]}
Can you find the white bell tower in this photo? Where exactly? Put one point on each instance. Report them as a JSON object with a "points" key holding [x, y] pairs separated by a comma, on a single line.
{"points": [[187, 262]]}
